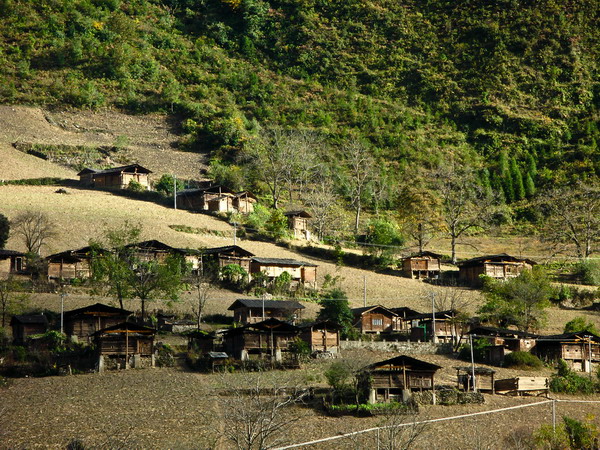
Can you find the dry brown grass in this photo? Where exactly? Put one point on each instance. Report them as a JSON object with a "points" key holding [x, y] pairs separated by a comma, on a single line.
{"points": [[150, 140]]}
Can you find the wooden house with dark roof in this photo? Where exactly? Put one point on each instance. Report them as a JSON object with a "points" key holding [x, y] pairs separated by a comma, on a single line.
{"points": [[11, 263], [26, 325], [252, 310], [503, 341], [300, 271], [71, 264], [448, 329], [269, 338], [124, 345], [216, 198], [404, 321], [82, 323], [499, 267], [298, 223], [154, 250], [394, 379], [322, 336], [115, 178], [422, 265], [375, 319], [219, 257], [579, 349]]}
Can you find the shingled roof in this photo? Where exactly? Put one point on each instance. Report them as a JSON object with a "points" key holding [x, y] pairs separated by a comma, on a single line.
{"points": [[269, 304], [131, 168], [283, 262], [500, 257]]}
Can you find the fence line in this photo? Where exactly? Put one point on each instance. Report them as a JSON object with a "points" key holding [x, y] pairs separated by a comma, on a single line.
{"points": [[441, 419]]}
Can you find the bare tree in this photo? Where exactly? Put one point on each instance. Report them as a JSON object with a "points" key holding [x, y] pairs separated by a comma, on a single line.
{"points": [[258, 409], [203, 284], [399, 430], [323, 202], [464, 205], [359, 165], [573, 218], [450, 298], [35, 227]]}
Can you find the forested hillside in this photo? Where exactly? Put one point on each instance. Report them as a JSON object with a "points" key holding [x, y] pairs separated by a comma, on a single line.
{"points": [[509, 88]]}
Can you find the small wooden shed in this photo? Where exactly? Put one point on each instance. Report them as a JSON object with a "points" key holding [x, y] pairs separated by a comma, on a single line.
{"points": [[82, 323], [422, 265], [71, 264], [375, 319], [201, 341], [579, 350], [499, 267], [484, 378], [300, 271], [322, 336], [523, 386], [253, 310], [115, 178], [26, 325], [11, 263], [269, 338], [219, 257], [298, 223], [216, 198], [394, 379], [127, 341]]}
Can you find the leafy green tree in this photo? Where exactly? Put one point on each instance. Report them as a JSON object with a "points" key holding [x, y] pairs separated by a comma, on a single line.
{"points": [[4, 230], [166, 183], [335, 307], [384, 233], [519, 301], [580, 324]]}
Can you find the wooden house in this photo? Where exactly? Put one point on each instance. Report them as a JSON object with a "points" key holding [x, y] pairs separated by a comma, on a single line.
{"points": [[394, 379], [71, 264], [322, 336], [11, 263], [499, 267], [298, 223], [300, 271], [219, 257], [82, 323], [216, 199], [244, 202], [523, 386], [269, 338], [252, 310], [448, 329], [503, 341], [154, 250], [125, 345], [200, 341], [375, 319], [27, 325], [579, 350], [115, 178], [404, 321], [422, 265], [484, 379]]}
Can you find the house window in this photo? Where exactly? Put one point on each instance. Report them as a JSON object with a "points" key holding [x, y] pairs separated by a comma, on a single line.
{"points": [[377, 322]]}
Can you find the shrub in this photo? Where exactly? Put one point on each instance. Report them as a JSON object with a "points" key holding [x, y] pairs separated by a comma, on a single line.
{"points": [[479, 350], [588, 272], [568, 382], [522, 360], [580, 324], [300, 349], [166, 183], [134, 186]]}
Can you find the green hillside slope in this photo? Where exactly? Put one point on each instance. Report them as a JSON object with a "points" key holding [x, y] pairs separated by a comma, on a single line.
{"points": [[421, 81]]}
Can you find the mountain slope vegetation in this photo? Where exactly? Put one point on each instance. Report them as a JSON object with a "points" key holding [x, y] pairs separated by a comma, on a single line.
{"points": [[510, 88]]}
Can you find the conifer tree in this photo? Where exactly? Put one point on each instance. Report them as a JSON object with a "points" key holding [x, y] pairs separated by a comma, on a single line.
{"points": [[529, 186], [517, 180]]}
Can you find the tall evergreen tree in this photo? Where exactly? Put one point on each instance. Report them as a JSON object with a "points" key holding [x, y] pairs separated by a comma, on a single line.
{"points": [[529, 186], [4, 230], [517, 180]]}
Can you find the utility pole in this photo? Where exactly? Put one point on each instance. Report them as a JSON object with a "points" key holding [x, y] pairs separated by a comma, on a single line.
{"points": [[472, 362], [365, 291], [433, 333], [175, 191]]}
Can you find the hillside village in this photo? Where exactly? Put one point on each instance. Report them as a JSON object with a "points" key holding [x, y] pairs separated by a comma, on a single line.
{"points": [[405, 349], [290, 224]]}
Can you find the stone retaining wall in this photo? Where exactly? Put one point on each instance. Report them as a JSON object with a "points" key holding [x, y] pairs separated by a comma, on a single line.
{"points": [[423, 348]]}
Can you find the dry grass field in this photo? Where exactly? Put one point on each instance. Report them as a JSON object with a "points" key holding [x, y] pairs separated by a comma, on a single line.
{"points": [[174, 408]]}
